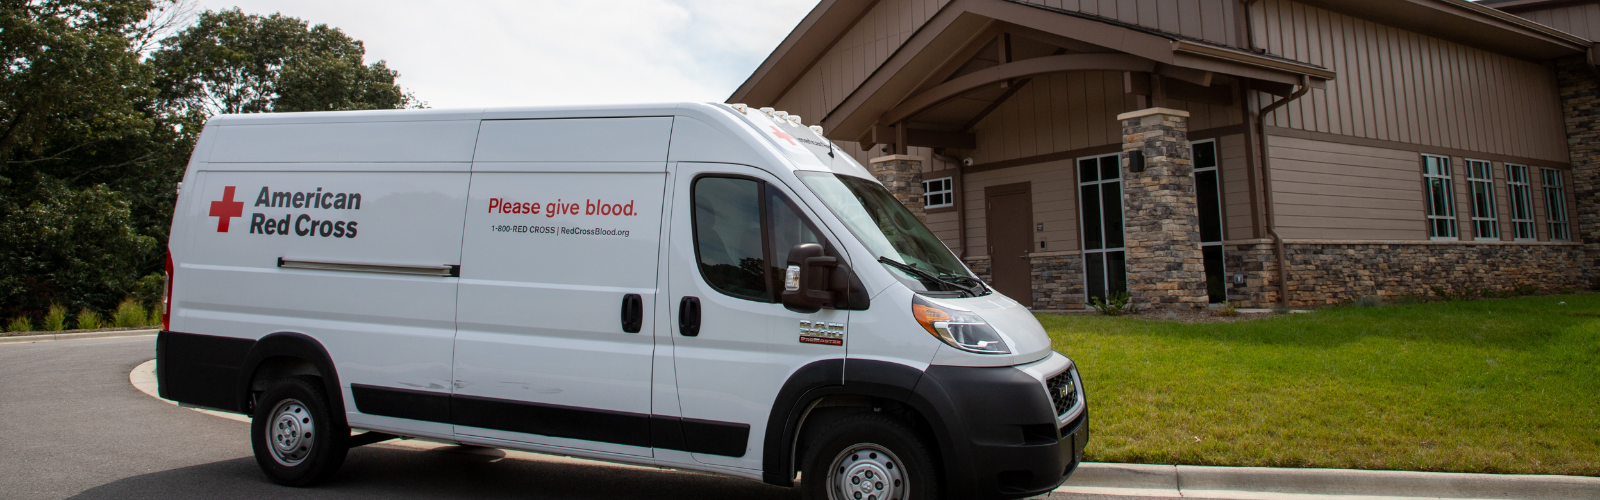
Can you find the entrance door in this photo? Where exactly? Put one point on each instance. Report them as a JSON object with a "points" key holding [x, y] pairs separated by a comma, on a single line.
{"points": [[732, 228], [1010, 232]]}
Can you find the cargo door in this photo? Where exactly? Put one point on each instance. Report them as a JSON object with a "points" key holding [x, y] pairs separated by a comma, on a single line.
{"points": [[347, 233], [558, 283]]}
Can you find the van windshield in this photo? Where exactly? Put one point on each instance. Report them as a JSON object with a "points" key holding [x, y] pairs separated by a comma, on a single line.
{"points": [[894, 236]]}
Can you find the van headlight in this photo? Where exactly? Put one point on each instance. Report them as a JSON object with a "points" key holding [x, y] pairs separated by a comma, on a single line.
{"points": [[960, 328]]}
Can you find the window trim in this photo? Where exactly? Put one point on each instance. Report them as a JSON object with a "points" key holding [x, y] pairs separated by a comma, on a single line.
{"points": [[951, 192], [1494, 207], [1450, 201], [1560, 190], [1511, 198]]}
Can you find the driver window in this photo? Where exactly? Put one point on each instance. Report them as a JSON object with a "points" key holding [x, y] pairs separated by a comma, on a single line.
{"points": [[731, 216], [727, 235]]}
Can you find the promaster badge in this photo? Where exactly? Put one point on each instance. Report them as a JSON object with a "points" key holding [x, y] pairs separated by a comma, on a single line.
{"points": [[821, 333]]}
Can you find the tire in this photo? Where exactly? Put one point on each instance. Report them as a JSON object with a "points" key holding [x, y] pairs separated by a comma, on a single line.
{"points": [[296, 441], [861, 452]]}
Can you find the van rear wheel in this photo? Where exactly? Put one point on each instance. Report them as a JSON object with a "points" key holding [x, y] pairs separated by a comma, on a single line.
{"points": [[868, 456], [294, 437]]}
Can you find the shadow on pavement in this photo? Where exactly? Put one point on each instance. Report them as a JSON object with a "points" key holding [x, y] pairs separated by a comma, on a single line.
{"points": [[386, 472]]}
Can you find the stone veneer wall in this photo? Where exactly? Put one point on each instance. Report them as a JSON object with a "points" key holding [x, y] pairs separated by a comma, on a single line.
{"points": [[1580, 104], [1333, 273], [1057, 282], [902, 175], [1165, 267], [980, 267]]}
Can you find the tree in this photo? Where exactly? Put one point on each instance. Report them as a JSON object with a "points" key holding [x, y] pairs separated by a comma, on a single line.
{"points": [[74, 247], [69, 72], [232, 62]]}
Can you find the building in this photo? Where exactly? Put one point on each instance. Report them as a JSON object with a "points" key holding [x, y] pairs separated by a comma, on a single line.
{"points": [[1264, 152]]}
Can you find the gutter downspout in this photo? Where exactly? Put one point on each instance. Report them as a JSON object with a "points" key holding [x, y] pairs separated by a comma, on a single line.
{"points": [[1266, 176]]}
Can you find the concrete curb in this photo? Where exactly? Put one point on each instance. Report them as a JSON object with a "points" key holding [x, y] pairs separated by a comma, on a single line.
{"points": [[52, 337], [1190, 481]]}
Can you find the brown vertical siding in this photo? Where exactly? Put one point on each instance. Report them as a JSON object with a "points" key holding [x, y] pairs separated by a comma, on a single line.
{"points": [[1235, 179], [1071, 111], [1581, 20], [1210, 20], [1340, 191], [857, 53], [1054, 204], [1400, 86]]}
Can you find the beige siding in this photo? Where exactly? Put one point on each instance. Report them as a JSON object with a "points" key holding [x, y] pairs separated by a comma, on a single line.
{"points": [[1235, 176], [1210, 20], [1401, 86], [1054, 204], [1071, 111], [1581, 20], [1325, 190], [857, 53]]}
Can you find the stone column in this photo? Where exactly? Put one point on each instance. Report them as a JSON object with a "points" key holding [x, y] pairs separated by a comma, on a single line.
{"points": [[1165, 266], [1580, 107], [902, 174]]}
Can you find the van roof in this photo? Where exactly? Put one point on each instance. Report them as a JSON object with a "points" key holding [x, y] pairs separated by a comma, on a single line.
{"points": [[448, 114]]}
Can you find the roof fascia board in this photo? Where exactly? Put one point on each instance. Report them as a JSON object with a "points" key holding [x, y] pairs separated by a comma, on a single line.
{"points": [[1518, 6], [1489, 28], [805, 45]]}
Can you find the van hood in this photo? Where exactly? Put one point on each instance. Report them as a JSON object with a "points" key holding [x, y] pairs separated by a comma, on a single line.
{"points": [[1022, 332]]}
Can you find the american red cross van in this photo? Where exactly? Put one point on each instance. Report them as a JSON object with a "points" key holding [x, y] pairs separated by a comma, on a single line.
{"points": [[691, 286]]}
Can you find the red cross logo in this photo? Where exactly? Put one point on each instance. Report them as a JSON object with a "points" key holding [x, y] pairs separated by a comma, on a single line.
{"points": [[226, 209], [785, 136]]}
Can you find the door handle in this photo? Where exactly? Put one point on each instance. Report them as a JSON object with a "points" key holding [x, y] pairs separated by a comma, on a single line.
{"points": [[632, 313], [689, 316]]}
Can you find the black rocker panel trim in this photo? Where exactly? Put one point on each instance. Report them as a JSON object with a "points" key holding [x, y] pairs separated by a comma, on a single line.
{"points": [[588, 424], [402, 403], [715, 438], [201, 370]]}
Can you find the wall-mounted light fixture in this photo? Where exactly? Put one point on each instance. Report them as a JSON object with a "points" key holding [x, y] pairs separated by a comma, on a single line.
{"points": [[1136, 161]]}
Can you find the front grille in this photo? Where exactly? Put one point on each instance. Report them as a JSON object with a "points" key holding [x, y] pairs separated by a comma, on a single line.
{"points": [[1063, 392]]}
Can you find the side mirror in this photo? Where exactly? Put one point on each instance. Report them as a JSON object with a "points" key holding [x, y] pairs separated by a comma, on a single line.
{"points": [[807, 279]]}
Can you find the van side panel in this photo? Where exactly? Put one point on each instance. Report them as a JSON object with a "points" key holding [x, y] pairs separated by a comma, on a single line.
{"points": [[563, 223], [380, 142], [252, 222]]}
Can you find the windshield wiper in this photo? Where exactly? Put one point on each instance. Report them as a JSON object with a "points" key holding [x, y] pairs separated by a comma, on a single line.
{"points": [[928, 276], [976, 283]]}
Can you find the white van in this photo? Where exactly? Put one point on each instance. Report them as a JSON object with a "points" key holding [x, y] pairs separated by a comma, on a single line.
{"points": [[691, 286]]}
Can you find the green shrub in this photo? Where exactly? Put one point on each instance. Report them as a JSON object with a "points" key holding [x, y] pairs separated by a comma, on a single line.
{"points": [[77, 247], [1118, 305], [150, 288], [1369, 301], [155, 314], [20, 324], [129, 313], [1227, 310], [56, 319], [89, 320]]}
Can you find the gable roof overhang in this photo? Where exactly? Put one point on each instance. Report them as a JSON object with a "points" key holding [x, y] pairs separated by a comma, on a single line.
{"points": [[1467, 23], [904, 76]]}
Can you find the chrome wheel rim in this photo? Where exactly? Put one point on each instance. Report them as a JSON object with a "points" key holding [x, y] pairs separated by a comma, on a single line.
{"points": [[290, 431], [867, 471]]}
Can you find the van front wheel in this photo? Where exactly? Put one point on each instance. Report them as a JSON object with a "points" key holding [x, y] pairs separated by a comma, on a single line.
{"points": [[868, 456], [295, 440]]}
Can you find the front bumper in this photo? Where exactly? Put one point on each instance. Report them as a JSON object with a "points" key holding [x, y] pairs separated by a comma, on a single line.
{"points": [[1004, 438]]}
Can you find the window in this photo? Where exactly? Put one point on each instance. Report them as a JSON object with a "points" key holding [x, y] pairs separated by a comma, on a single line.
{"points": [[1105, 265], [1485, 219], [938, 193], [1555, 206], [1208, 195], [1441, 197], [1520, 191], [731, 215]]}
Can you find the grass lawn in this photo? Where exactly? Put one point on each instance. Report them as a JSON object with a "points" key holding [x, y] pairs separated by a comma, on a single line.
{"points": [[1504, 386]]}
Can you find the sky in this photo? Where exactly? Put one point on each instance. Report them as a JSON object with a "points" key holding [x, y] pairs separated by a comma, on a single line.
{"points": [[480, 53]]}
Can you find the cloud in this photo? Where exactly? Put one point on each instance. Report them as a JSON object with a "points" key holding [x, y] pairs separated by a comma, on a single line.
{"points": [[472, 53]]}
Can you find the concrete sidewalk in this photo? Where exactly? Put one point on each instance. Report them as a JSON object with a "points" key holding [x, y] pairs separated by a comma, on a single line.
{"points": [[51, 337], [1189, 481]]}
